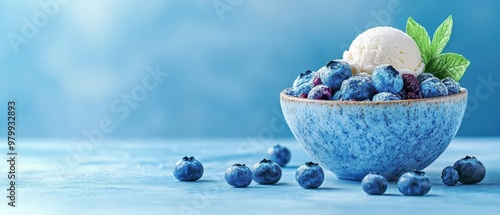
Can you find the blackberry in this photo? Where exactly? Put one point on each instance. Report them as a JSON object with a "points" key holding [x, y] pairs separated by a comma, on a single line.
{"points": [[413, 95], [411, 83]]}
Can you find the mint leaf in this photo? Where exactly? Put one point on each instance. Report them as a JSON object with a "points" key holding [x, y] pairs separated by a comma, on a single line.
{"points": [[441, 36], [421, 37], [448, 65]]}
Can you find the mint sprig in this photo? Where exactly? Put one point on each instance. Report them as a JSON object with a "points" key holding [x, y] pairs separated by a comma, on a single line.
{"points": [[441, 65], [441, 36], [420, 36], [448, 65]]}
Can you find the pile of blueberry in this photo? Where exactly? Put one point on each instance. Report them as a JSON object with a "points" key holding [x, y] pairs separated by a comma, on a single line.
{"points": [[268, 171], [335, 81]]}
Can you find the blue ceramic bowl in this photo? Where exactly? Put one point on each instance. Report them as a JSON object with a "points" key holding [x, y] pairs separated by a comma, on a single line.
{"points": [[352, 138]]}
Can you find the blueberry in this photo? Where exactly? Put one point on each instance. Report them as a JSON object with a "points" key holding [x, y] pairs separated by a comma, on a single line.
{"points": [[414, 183], [452, 85], [310, 175], [320, 92], [432, 87], [279, 154], [384, 96], [357, 88], [374, 184], [334, 73], [266, 172], [303, 89], [303, 83], [303, 78], [238, 175], [336, 96], [402, 94], [291, 92], [470, 170], [449, 176], [424, 76], [386, 78], [188, 169], [410, 83]]}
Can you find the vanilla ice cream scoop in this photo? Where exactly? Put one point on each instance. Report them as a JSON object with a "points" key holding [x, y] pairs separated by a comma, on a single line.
{"points": [[384, 45]]}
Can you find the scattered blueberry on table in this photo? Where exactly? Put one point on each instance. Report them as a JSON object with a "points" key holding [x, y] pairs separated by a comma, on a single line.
{"points": [[188, 169], [414, 183], [310, 175], [467, 170], [266, 172], [374, 184], [449, 175], [238, 175], [279, 154], [470, 170]]}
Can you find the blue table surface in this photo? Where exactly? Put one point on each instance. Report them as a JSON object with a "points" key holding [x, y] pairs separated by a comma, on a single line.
{"points": [[135, 177]]}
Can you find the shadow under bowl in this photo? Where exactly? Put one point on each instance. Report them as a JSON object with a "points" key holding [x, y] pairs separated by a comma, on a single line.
{"points": [[354, 138]]}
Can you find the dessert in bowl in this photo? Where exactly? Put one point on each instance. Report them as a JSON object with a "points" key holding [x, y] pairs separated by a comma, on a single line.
{"points": [[379, 109], [352, 138]]}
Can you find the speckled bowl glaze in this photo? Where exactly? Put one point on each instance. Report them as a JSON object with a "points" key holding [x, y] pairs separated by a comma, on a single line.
{"points": [[352, 138]]}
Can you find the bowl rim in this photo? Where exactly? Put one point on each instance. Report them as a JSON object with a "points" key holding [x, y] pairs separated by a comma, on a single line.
{"points": [[461, 95]]}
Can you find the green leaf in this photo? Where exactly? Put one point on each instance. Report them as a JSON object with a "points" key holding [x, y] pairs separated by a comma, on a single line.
{"points": [[441, 36], [448, 65], [421, 37]]}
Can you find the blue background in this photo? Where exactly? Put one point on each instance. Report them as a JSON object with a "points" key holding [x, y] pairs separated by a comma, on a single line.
{"points": [[225, 69]]}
